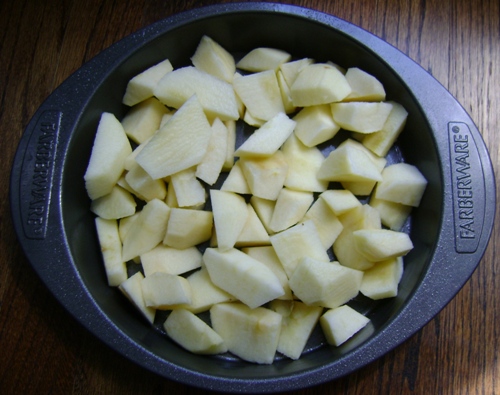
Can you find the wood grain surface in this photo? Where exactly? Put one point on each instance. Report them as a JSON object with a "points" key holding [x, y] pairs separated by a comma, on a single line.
{"points": [[43, 350]]}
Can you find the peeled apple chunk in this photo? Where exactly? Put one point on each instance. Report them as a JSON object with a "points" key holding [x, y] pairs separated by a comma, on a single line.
{"points": [[381, 244], [365, 87], [117, 204], [348, 163], [132, 289], [170, 260], [188, 228], [299, 241], [216, 96], [315, 125], [180, 144], [164, 291], [361, 117], [111, 250], [230, 214], [260, 93], [111, 148], [297, 325], [401, 183], [242, 276], [193, 334], [319, 83], [263, 58], [290, 208], [144, 119], [251, 334], [147, 231], [210, 167], [265, 176], [141, 87], [212, 58], [326, 284], [341, 323], [266, 140], [382, 280]]}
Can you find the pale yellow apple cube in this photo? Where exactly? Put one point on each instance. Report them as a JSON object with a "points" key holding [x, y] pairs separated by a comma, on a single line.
{"points": [[170, 260], [341, 323], [165, 291], [193, 334], [315, 125], [325, 284], [382, 280], [213, 58], [251, 334], [132, 289], [365, 87], [290, 208], [117, 204], [111, 148], [144, 119], [361, 117], [188, 228], [263, 58], [111, 250], [381, 244]]}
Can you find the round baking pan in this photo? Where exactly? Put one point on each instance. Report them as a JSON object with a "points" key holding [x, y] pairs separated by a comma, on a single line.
{"points": [[450, 230]]}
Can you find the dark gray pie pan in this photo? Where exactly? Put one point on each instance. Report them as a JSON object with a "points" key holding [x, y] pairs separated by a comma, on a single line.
{"points": [[450, 229]]}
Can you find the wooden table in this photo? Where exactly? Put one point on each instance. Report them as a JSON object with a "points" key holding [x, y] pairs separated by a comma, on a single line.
{"points": [[44, 350]]}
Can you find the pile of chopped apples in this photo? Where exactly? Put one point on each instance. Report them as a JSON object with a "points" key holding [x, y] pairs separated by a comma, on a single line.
{"points": [[253, 251]]}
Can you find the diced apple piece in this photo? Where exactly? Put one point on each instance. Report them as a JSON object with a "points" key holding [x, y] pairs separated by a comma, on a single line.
{"points": [[297, 325], [381, 244], [401, 183], [193, 334], [253, 232], [204, 293], [382, 280], [263, 58], [303, 166], [210, 167], [147, 231], [326, 284], [341, 323], [360, 217], [290, 208], [164, 291], [236, 181], [189, 192], [216, 96], [141, 86], [393, 215], [326, 222], [292, 69], [117, 204], [111, 250], [251, 334], [144, 119], [214, 59], [144, 186], [125, 224], [111, 148], [380, 142], [267, 255], [171, 198], [249, 119], [231, 145], [297, 242], [242, 276], [170, 260], [265, 176], [260, 93], [340, 200], [361, 117], [266, 140], [264, 209], [286, 95], [315, 125], [132, 289], [365, 87], [188, 228], [348, 163], [130, 161], [180, 144], [230, 213], [319, 83]]}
